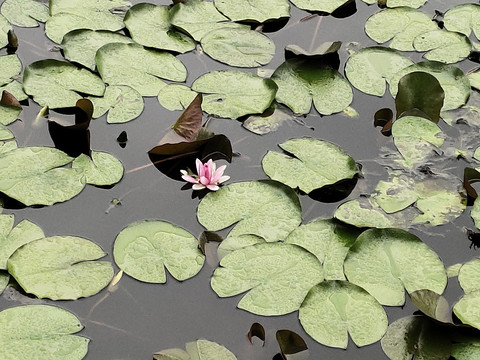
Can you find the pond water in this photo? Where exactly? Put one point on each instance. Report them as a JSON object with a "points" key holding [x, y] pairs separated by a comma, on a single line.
{"points": [[137, 319]]}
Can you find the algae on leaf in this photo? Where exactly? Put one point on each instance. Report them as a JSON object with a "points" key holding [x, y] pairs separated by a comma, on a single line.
{"points": [[60, 268], [267, 271], [332, 310], [41, 332], [145, 248], [24, 13]]}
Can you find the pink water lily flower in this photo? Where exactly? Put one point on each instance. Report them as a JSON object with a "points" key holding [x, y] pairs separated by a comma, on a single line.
{"points": [[208, 176]]}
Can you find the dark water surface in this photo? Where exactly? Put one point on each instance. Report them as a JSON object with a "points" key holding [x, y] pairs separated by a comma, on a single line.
{"points": [[138, 319]]}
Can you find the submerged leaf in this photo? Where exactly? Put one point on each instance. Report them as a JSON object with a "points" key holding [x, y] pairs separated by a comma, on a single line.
{"points": [[42, 332], [269, 121], [385, 261], [256, 330], [24, 12], [60, 268], [334, 309], [145, 248], [267, 272], [197, 350], [290, 343]]}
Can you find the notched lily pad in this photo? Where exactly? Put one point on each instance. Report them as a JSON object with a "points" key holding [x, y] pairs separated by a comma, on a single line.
{"points": [[267, 271], [469, 276], [24, 13], [101, 169], [444, 46], [42, 332], [176, 97], [385, 261], [144, 249], [60, 268], [466, 309], [332, 310], [464, 19], [313, 164], [197, 350]]}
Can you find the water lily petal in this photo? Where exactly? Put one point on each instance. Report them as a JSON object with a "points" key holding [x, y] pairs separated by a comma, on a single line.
{"points": [[204, 181], [200, 169], [190, 179], [223, 179], [218, 174], [198, 187], [213, 187]]}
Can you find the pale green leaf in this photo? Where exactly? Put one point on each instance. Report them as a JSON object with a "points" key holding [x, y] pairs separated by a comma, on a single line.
{"points": [[24, 12], [197, 18], [464, 351], [102, 169], [123, 104], [4, 28], [40, 332], [176, 97], [401, 25], [301, 81], [395, 195], [31, 176], [16, 89], [464, 19], [466, 309], [444, 46], [267, 271], [369, 68], [268, 121], [385, 261], [5, 133], [60, 268], [469, 276], [197, 350], [329, 241], [145, 248], [474, 79], [137, 67], [475, 213], [81, 45], [238, 47], [253, 10], [58, 6], [327, 6], [232, 93], [4, 279], [10, 66], [313, 164], [8, 114], [410, 3], [55, 83], [333, 310], [149, 25]]}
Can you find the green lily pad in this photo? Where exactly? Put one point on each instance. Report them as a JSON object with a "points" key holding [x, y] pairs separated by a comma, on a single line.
{"points": [[137, 67], [401, 25], [81, 45], [4, 279], [313, 164], [268, 271], [417, 337], [466, 351], [176, 97], [8, 114], [60, 268], [102, 169], [232, 93], [24, 13], [4, 28], [385, 261], [369, 68], [327, 6], [41, 332], [149, 25], [54, 83], [358, 214], [466, 309], [454, 83], [464, 19], [474, 79], [5, 134], [256, 10], [432, 304], [329, 241], [410, 3], [468, 276], [16, 89], [123, 104], [68, 15], [444, 46], [238, 47], [10, 66], [475, 213], [302, 80], [32, 176], [266, 209], [21, 234], [197, 18], [334, 309], [145, 248], [197, 350]]}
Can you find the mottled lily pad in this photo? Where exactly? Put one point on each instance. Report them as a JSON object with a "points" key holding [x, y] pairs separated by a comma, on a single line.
{"points": [[144, 249], [55, 83], [176, 97], [369, 68], [102, 169], [137, 67], [469, 276], [24, 13], [60, 268], [268, 271], [466, 309], [334, 309], [231, 93], [464, 19], [327, 6], [444, 46], [256, 10], [197, 350], [313, 164], [41, 332], [149, 25], [122, 103], [385, 261], [301, 81], [238, 47], [401, 25]]}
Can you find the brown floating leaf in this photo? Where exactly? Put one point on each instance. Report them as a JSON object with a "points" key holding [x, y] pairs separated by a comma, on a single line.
{"points": [[206, 237], [9, 100], [290, 343], [470, 176], [256, 330], [190, 122]]}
